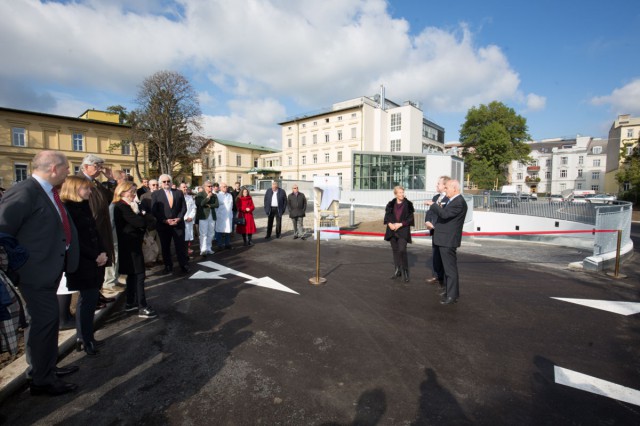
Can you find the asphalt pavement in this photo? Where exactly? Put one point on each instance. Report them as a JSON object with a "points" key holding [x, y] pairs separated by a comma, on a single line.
{"points": [[230, 348]]}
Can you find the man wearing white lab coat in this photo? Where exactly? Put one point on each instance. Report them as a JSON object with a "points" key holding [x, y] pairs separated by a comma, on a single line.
{"points": [[224, 217]]}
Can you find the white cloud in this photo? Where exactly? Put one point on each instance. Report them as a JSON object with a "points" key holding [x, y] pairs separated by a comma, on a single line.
{"points": [[623, 100], [535, 102], [301, 52]]}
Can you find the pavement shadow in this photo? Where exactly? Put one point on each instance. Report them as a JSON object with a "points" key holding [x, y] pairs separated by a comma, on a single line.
{"points": [[370, 408], [437, 405]]}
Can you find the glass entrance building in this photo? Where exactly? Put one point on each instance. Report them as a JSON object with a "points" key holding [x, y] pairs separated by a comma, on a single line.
{"points": [[385, 171]]}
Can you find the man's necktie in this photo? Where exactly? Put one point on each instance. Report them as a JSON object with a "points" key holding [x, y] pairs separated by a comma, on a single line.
{"points": [[66, 226], [170, 198]]}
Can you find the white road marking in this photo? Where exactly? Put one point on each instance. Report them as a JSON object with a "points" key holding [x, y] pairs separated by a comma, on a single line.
{"points": [[583, 382], [622, 308], [223, 270]]}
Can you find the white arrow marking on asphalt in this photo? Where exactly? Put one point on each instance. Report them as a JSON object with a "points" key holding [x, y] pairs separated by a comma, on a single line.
{"points": [[622, 308], [594, 385], [223, 270]]}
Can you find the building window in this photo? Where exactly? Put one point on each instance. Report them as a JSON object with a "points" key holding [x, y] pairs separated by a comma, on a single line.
{"points": [[238, 160], [315, 139], [520, 166], [548, 162], [20, 172], [595, 175], [76, 170], [255, 162], [315, 158], [579, 186], [78, 142], [519, 188], [581, 160], [395, 145], [326, 137], [596, 150], [290, 159], [326, 120], [563, 173], [629, 133], [564, 160], [340, 118], [626, 186], [547, 175], [304, 125], [519, 176], [353, 133], [339, 155], [339, 135], [384, 171], [596, 163], [303, 140], [219, 160], [19, 136], [595, 187], [326, 157], [579, 173], [628, 150], [126, 171], [304, 160], [213, 161], [396, 122], [289, 142], [126, 148], [563, 186], [303, 177], [339, 179], [315, 123]]}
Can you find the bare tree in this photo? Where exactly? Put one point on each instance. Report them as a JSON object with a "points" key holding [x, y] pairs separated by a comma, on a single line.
{"points": [[137, 137], [170, 113]]}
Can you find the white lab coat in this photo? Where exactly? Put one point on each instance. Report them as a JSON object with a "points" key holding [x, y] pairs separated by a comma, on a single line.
{"points": [[191, 213], [224, 213]]}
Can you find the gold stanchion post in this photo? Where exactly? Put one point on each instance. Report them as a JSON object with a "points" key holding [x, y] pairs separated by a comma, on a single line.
{"points": [[616, 272], [317, 280]]}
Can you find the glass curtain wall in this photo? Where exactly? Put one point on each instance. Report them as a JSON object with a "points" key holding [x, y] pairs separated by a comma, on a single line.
{"points": [[381, 171]]}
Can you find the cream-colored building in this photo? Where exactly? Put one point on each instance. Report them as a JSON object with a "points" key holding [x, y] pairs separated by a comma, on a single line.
{"points": [[623, 137], [324, 142], [229, 161], [24, 133]]}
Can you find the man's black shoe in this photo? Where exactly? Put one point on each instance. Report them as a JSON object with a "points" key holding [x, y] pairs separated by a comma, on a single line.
{"points": [[105, 299], [166, 271], [65, 371], [57, 388], [448, 301], [68, 325], [185, 269]]}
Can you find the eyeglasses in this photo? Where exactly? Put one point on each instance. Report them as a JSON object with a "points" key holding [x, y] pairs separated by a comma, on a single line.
{"points": [[165, 181]]}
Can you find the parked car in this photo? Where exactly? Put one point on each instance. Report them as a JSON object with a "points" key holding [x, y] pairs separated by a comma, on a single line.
{"points": [[601, 198], [578, 199], [556, 198], [506, 200], [250, 187]]}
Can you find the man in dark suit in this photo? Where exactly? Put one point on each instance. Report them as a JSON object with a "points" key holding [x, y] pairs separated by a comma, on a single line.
{"points": [[275, 204], [169, 207], [430, 221], [144, 188], [449, 237], [31, 211]]}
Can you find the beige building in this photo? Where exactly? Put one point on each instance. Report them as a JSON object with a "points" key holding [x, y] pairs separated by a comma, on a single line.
{"points": [[323, 143], [24, 133], [623, 137], [230, 161]]}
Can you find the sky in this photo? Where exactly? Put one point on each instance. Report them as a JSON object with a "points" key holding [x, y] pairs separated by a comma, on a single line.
{"points": [[568, 66]]}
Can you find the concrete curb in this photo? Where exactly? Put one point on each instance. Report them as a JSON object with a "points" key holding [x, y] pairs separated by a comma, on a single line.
{"points": [[13, 376]]}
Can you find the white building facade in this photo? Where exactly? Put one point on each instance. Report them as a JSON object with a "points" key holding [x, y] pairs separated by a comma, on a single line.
{"points": [[562, 164], [324, 143]]}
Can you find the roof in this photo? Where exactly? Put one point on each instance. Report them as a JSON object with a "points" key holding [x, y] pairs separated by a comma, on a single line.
{"points": [[76, 119], [245, 145]]}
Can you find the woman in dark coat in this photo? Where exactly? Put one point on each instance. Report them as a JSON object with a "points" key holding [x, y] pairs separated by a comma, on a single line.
{"points": [[398, 216], [87, 279], [245, 208], [131, 224]]}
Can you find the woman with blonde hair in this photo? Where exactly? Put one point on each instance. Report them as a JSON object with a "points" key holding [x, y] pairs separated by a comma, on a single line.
{"points": [[131, 224], [398, 216], [87, 279]]}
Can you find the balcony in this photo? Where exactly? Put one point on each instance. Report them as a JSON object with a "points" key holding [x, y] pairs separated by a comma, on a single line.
{"points": [[533, 168], [532, 180]]}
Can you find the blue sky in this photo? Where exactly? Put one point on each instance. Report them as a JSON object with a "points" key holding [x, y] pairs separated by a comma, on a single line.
{"points": [[569, 67]]}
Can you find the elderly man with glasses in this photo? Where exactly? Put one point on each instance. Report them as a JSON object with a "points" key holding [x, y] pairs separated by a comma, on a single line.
{"points": [[169, 207], [297, 204]]}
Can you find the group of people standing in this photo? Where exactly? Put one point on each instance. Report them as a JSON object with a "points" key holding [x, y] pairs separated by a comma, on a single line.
{"points": [[444, 219]]}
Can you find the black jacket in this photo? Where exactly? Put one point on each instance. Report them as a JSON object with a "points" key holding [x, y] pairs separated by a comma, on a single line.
{"points": [[406, 218], [297, 204], [89, 274], [130, 228], [450, 222]]}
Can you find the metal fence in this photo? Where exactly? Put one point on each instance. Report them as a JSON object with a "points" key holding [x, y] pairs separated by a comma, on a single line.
{"points": [[618, 217]]}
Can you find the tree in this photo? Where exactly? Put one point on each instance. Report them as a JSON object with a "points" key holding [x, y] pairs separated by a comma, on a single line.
{"points": [[630, 172], [169, 112], [136, 137], [492, 136]]}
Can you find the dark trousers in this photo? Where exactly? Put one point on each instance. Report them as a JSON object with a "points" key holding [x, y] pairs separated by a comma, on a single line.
{"points": [[436, 261], [85, 312], [177, 234], [272, 214], [450, 264], [399, 247], [42, 334], [223, 239], [298, 228], [135, 290]]}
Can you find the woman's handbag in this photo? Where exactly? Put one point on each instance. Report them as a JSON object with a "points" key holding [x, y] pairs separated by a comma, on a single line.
{"points": [[239, 221]]}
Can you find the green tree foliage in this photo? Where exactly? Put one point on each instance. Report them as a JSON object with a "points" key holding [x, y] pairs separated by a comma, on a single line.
{"points": [[492, 136], [169, 112], [630, 172]]}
